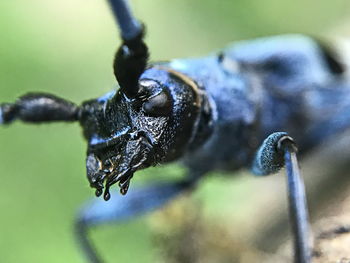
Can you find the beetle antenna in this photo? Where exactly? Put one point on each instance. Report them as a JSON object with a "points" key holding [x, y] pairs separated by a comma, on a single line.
{"points": [[130, 27], [131, 58]]}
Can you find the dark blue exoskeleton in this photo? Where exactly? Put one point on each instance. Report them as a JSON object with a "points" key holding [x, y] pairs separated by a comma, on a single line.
{"points": [[211, 112]]}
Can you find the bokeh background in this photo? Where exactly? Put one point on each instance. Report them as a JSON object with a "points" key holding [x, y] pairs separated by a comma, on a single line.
{"points": [[66, 47]]}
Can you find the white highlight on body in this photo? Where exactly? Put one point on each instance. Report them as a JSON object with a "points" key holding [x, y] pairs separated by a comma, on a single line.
{"points": [[230, 65], [177, 65]]}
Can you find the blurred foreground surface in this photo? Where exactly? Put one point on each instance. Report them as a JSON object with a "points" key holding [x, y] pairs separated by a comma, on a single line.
{"points": [[66, 48]]}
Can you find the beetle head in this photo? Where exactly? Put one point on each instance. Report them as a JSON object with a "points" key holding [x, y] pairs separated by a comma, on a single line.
{"points": [[128, 134]]}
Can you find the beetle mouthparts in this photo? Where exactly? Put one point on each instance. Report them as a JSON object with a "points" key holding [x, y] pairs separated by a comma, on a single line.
{"points": [[104, 174], [123, 180], [118, 169]]}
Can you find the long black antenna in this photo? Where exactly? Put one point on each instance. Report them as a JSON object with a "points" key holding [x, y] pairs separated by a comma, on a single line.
{"points": [[132, 56], [130, 28]]}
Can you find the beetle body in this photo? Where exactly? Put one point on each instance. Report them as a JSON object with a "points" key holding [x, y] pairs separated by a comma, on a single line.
{"points": [[287, 84], [239, 98], [211, 112]]}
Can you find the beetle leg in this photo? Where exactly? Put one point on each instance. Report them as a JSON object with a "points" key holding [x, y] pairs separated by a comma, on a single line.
{"points": [[276, 151], [123, 208], [38, 107]]}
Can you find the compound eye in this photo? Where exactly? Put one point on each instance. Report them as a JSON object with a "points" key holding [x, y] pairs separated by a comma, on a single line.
{"points": [[159, 105]]}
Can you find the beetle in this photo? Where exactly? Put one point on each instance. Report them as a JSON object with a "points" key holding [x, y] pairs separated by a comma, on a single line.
{"points": [[171, 110]]}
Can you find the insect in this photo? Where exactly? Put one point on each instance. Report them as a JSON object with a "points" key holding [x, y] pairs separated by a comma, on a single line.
{"points": [[226, 103]]}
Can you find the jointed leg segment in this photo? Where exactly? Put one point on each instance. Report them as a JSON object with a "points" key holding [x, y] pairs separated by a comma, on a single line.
{"points": [[121, 208], [276, 151]]}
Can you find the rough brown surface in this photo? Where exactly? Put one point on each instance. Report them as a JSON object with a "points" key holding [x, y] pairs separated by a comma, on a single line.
{"points": [[183, 235]]}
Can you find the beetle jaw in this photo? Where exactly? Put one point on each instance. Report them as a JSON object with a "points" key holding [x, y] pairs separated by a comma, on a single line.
{"points": [[102, 173]]}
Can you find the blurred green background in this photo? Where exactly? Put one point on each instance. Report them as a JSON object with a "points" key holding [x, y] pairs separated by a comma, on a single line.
{"points": [[66, 47]]}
